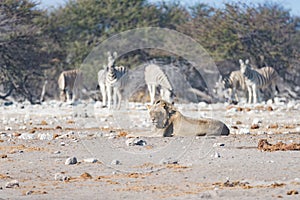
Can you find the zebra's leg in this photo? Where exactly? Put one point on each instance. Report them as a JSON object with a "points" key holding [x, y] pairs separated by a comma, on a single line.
{"points": [[254, 90], [103, 93], [151, 89], [230, 93], [236, 96], [153, 93], [162, 94], [115, 97], [246, 92], [108, 89], [259, 96], [166, 95], [274, 91], [69, 94], [63, 96], [233, 94], [119, 95], [249, 94], [74, 93]]}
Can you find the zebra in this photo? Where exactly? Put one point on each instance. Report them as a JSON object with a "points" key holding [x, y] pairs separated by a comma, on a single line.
{"points": [[258, 79], [115, 80], [234, 82], [155, 77], [69, 83]]}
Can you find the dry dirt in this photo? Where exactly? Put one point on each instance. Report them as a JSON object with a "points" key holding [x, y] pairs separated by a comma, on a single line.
{"points": [[256, 161]]}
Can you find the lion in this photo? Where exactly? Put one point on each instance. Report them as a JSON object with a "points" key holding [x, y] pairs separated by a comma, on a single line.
{"points": [[170, 122]]}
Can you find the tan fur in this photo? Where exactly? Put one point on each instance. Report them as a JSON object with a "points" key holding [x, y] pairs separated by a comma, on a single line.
{"points": [[68, 83], [170, 122]]}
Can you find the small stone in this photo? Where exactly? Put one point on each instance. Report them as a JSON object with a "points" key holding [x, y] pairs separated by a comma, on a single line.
{"points": [[247, 109], [238, 122], [61, 177], [292, 192], [22, 127], [218, 145], [8, 128], [244, 131], [3, 156], [86, 175], [62, 144], [239, 109], [12, 184], [8, 103], [130, 142], [90, 160], [75, 140], [256, 121], [217, 155], [112, 135], [168, 161], [269, 108], [115, 162], [135, 141], [234, 127], [43, 122], [56, 152], [71, 161], [254, 126], [29, 192], [273, 126], [140, 143], [205, 196]]}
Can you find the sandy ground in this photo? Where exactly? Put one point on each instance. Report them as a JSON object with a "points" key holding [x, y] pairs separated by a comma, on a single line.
{"points": [[36, 141]]}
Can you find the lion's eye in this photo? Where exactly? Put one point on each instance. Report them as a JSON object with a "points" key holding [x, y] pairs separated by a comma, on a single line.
{"points": [[157, 102]]}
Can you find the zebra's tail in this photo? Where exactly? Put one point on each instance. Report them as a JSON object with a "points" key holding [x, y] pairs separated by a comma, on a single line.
{"points": [[277, 89]]}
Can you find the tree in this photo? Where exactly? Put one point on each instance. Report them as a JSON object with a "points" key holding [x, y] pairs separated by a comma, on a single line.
{"points": [[22, 53], [265, 33]]}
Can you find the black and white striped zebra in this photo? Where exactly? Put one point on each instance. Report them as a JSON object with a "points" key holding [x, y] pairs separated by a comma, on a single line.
{"points": [[155, 77], [235, 81], [115, 81], [258, 79]]}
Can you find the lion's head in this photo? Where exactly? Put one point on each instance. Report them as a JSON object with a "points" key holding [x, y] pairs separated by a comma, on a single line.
{"points": [[160, 113]]}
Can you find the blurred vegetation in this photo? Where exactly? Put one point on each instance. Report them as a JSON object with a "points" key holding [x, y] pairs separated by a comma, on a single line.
{"points": [[36, 45]]}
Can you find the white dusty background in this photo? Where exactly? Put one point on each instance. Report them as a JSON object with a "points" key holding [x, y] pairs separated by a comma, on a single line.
{"points": [[36, 141]]}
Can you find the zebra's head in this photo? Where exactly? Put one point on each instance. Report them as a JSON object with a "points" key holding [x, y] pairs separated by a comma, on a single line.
{"points": [[244, 65], [111, 59]]}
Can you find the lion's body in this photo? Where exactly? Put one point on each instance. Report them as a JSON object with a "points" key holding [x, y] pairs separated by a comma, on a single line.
{"points": [[170, 122]]}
